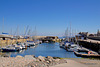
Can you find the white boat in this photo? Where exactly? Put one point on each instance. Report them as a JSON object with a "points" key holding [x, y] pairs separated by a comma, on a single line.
{"points": [[66, 45], [9, 48], [18, 46], [40, 42], [22, 45], [72, 47], [26, 44], [62, 45], [31, 43]]}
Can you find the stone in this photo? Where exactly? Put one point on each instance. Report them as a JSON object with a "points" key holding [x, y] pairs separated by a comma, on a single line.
{"points": [[29, 57], [49, 58], [37, 60], [4, 55], [47, 61], [33, 56], [18, 56], [56, 57], [41, 58], [57, 60]]}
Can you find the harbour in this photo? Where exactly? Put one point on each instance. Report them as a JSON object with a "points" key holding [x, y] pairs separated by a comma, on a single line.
{"points": [[50, 33], [45, 49]]}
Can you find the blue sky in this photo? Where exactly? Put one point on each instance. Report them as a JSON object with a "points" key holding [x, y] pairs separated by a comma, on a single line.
{"points": [[51, 17]]}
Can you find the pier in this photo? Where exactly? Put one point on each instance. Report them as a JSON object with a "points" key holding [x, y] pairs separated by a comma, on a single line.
{"points": [[91, 44]]}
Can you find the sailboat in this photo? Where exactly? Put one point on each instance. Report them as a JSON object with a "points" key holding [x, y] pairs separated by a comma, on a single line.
{"points": [[8, 48]]}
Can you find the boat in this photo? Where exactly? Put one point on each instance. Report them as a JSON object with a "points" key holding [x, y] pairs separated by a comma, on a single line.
{"points": [[26, 44], [9, 49], [40, 42], [18, 46], [72, 47], [46, 41], [66, 44], [82, 49], [22, 45], [31, 43], [62, 45], [87, 55]]}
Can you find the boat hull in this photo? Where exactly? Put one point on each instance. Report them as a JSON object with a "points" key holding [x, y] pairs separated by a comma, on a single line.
{"points": [[9, 50], [86, 55]]}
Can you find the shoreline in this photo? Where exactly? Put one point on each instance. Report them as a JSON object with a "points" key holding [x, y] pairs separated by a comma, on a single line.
{"points": [[40, 61]]}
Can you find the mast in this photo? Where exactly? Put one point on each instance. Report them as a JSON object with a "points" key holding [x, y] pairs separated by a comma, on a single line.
{"points": [[70, 31], [29, 32], [3, 25], [66, 34], [11, 31], [26, 30], [35, 34], [35, 31], [17, 31]]}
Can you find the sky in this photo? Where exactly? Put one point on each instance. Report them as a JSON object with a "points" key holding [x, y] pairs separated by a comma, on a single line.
{"points": [[49, 17]]}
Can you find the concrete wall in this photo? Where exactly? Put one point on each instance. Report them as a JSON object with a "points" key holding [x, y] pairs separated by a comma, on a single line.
{"points": [[94, 38], [90, 45]]}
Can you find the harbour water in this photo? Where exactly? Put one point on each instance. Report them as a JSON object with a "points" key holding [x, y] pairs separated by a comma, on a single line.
{"points": [[45, 49]]}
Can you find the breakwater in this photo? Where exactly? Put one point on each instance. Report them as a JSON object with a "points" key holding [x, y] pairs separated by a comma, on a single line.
{"points": [[13, 41]]}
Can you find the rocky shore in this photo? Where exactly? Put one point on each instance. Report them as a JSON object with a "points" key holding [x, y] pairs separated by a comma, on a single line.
{"points": [[30, 61], [40, 61]]}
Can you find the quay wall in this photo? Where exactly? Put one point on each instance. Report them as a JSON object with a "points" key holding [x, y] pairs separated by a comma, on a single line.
{"points": [[90, 45], [95, 38], [9, 42]]}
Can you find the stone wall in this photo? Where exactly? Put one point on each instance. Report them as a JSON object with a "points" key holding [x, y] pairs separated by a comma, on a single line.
{"points": [[9, 42]]}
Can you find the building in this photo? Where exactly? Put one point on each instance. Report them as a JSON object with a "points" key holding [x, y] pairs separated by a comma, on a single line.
{"points": [[98, 33]]}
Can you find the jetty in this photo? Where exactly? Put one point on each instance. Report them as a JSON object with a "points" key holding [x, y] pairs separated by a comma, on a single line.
{"points": [[91, 44]]}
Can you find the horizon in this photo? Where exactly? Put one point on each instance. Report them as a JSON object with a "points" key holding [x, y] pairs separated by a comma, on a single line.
{"points": [[49, 17]]}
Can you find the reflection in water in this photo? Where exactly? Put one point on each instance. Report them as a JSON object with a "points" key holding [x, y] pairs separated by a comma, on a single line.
{"points": [[45, 49]]}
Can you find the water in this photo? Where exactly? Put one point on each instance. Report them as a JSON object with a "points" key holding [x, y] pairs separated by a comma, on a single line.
{"points": [[45, 49]]}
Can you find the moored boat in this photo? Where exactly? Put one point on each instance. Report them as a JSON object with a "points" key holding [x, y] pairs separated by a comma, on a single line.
{"points": [[72, 47], [9, 49], [87, 55]]}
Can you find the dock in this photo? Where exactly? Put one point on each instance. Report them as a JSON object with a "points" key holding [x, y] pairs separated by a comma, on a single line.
{"points": [[91, 44]]}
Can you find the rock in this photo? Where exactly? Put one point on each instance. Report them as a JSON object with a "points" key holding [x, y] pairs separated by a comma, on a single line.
{"points": [[29, 57], [49, 58], [57, 60], [37, 60], [56, 57], [41, 58], [4, 55], [18, 56], [47, 61], [33, 56], [63, 61]]}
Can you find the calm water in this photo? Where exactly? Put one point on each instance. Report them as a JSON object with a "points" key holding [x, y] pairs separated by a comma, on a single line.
{"points": [[45, 49]]}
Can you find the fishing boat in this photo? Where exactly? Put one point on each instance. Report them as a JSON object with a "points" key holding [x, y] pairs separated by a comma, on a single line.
{"points": [[90, 54]]}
